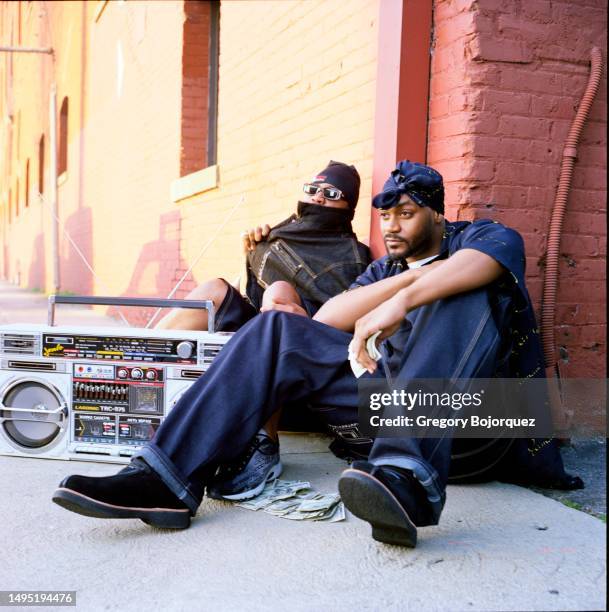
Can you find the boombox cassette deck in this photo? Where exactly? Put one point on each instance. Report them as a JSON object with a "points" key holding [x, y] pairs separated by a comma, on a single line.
{"points": [[77, 393]]}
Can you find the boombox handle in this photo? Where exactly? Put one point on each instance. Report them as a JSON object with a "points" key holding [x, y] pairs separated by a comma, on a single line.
{"points": [[127, 301]]}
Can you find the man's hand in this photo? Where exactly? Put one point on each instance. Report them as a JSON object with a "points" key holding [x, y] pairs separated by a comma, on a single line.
{"points": [[283, 305], [386, 318], [466, 270], [253, 236]]}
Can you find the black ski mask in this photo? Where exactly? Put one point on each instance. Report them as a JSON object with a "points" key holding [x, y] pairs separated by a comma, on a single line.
{"points": [[326, 218]]}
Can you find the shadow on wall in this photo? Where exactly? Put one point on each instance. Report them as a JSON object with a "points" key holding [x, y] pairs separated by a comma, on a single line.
{"points": [[6, 262], [74, 276], [36, 276], [159, 267]]}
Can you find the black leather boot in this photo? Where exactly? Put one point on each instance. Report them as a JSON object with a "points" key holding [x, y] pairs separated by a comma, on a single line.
{"points": [[135, 492], [391, 499]]}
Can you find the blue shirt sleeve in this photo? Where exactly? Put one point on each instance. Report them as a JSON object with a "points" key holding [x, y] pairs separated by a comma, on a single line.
{"points": [[503, 244]]}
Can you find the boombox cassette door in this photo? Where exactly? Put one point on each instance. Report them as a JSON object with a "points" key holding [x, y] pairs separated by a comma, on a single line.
{"points": [[33, 416]]}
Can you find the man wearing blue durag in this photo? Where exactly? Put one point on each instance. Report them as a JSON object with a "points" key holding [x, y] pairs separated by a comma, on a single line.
{"points": [[445, 302]]}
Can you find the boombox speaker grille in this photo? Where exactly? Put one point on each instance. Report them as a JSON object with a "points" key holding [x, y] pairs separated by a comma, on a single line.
{"points": [[36, 431]]}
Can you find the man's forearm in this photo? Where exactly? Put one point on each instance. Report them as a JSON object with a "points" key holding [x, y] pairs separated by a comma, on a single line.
{"points": [[466, 270], [344, 309]]}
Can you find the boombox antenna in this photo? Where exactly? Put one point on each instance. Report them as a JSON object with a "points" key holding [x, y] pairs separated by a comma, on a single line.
{"points": [[82, 256], [177, 285], [201, 253]]}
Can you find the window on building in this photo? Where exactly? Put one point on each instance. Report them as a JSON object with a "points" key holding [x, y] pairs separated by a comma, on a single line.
{"points": [[62, 159], [41, 165], [27, 183], [199, 85], [17, 198], [214, 54]]}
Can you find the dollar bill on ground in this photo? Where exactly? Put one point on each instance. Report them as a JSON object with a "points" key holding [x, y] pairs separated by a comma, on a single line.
{"points": [[275, 491], [323, 502], [297, 501]]}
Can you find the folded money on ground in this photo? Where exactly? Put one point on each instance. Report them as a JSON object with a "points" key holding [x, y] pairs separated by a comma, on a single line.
{"points": [[297, 501]]}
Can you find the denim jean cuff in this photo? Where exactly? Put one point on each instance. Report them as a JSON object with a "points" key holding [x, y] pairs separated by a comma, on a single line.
{"points": [[425, 474], [161, 464]]}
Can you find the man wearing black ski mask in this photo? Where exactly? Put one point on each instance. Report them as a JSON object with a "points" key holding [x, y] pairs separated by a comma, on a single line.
{"points": [[312, 256], [295, 266]]}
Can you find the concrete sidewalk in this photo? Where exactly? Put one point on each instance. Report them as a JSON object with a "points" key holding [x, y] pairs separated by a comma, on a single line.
{"points": [[498, 547]]}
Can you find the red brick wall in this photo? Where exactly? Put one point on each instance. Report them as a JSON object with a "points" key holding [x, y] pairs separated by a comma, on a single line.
{"points": [[507, 77]]}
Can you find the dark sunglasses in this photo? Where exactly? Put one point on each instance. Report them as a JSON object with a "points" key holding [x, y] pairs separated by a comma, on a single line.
{"points": [[329, 193]]}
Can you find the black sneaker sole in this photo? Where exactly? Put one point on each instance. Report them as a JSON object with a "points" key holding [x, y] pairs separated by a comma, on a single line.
{"points": [[164, 518], [370, 500]]}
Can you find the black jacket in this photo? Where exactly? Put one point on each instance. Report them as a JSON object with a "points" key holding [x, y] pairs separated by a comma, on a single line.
{"points": [[316, 251]]}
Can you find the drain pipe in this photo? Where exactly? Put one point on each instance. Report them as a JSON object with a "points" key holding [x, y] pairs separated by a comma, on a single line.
{"points": [[569, 156]]}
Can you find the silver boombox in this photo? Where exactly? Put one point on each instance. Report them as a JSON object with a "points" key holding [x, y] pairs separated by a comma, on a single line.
{"points": [[69, 392]]}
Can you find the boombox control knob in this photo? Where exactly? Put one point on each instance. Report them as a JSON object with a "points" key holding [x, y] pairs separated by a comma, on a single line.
{"points": [[122, 373], [150, 375], [185, 349], [137, 373]]}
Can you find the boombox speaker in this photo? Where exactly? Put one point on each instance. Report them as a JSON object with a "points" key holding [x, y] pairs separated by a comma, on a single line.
{"points": [[95, 394]]}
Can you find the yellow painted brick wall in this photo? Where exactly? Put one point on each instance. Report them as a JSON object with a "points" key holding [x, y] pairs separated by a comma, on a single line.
{"points": [[25, 80], [121, 72], [296, 89], [297, 84], [132, 140]]}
